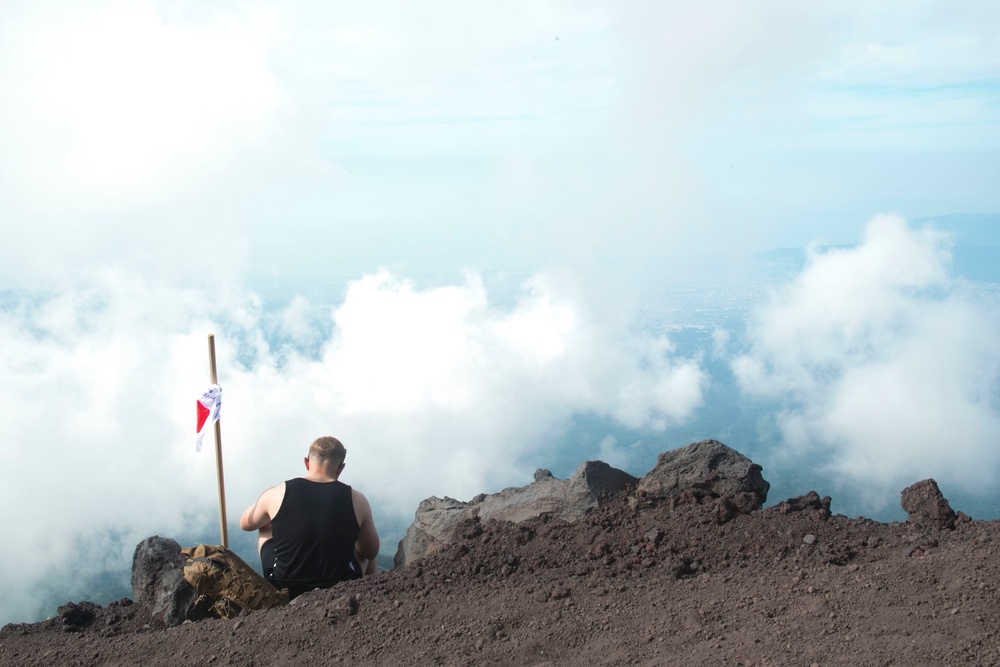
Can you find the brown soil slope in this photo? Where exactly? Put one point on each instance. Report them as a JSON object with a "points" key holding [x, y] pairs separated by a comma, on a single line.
{"points": [[647, 586]]}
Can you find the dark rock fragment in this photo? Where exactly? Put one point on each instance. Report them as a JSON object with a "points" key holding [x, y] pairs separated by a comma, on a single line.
{"points": [[810, 502], [158, 582], [77, 617], [926, 507]]}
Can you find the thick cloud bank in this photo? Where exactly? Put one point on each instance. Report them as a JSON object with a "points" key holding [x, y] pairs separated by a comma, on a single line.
{"points": [[885, 366], [434, 391]]}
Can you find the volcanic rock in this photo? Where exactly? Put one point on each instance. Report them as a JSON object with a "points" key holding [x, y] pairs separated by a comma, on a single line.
{"points": [[158, 580], [77, 617], [706, 469], [810, 502], [926, 507], [568, 499]]}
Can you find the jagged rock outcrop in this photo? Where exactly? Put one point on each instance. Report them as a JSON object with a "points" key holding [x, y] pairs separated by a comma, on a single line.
{"points": [[702, 470], [926, 506], [158, 580], [567, 499], [706, 469]]}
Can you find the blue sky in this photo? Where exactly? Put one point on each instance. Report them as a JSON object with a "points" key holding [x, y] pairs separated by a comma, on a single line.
{"points": [[446, 232]]}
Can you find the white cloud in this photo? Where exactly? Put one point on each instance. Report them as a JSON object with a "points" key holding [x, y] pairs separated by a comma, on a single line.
{"points": [[886, 364], [434, 391], [614, 454], [112, 106]]}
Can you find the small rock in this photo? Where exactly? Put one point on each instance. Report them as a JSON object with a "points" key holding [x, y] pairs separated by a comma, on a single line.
{"points": [[78, 617], [809, 502]]}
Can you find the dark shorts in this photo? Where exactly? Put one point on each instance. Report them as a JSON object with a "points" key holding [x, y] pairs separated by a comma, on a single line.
{"points": [[268, 561]]}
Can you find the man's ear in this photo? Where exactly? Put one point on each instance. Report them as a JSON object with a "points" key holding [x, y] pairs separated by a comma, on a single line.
{"points": [[307, 463]]}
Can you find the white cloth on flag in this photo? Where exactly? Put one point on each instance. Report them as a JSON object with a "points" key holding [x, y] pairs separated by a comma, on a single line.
{"points": [[208, 411]]}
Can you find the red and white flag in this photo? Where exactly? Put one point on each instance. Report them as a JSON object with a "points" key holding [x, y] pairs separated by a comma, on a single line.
{"points": [[208, 411]]}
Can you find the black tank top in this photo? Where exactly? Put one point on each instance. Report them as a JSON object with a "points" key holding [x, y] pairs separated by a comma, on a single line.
{"points": [[314, 536]]}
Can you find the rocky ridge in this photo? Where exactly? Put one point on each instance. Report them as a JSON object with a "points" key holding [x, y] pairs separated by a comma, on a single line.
{"points": [[653, 577], [702, 470]]}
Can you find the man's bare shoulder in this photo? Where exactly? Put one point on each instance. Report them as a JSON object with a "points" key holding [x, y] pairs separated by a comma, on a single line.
{"points": [[277, 487], [272, 497], [361, 502], [264, 509]]}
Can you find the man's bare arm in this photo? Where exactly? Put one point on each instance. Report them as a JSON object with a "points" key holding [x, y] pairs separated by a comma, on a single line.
{"points": [[259, 514], [368, 542]]}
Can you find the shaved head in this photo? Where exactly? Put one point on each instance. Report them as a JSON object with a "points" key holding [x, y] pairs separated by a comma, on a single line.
{"points": [[328, 449]]}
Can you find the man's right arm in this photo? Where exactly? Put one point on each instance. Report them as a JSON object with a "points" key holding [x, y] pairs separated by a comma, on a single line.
{"points": [[259, 514]]}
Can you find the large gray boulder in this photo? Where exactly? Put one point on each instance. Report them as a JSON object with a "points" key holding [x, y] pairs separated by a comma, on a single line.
{"points": [[706, 469], [158, 582], [568, 499], [432, 527]]}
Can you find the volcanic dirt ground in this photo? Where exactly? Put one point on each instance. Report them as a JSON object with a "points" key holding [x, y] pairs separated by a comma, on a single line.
{"points": [[663, 585]]}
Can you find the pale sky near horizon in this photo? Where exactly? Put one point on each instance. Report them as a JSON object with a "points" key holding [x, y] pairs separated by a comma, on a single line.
{"points": [[428, 228], [297, 140]]}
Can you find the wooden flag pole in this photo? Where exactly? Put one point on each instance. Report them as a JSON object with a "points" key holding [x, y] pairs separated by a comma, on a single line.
{"points": [[223, 530]]}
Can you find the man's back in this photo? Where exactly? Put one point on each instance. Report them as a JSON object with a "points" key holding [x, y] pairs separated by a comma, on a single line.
{"points": [[314, 535], [314, 530]]}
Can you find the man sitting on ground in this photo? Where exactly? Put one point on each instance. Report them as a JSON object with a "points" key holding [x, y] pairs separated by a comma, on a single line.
{"points": [[314, 530]]}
